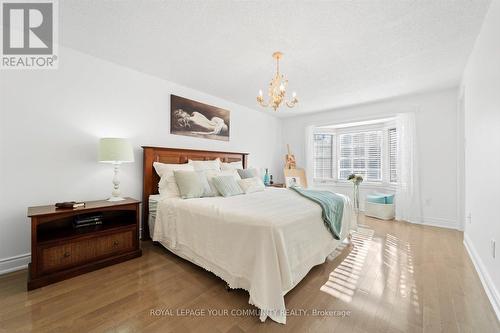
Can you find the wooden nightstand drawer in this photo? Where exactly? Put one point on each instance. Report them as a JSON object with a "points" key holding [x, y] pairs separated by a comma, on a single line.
{"points": [[116, 243], [62, 256]]}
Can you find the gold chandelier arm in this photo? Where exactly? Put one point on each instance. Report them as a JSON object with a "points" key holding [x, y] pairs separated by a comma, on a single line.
{"points": [[261, 102], [292, 103]]}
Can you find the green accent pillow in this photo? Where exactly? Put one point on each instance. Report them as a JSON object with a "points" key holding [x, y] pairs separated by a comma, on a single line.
{"points": [[227, 186], [374, 198], [248, 173], [192, 184], [380, 198]]}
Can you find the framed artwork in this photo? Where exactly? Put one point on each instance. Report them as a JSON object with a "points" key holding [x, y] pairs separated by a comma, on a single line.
{"points": [[295, 177], [292, 181], [191, 118]]}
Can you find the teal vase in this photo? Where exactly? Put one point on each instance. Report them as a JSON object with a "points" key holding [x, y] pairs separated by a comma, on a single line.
{"points": [[267, 180]]}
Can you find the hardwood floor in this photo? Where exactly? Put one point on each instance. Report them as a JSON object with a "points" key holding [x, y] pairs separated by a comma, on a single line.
{"points": [[398, 278]]}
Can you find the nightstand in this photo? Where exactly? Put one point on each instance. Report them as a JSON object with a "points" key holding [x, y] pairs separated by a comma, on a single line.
{"points": [[59, 251], [277, 185]]}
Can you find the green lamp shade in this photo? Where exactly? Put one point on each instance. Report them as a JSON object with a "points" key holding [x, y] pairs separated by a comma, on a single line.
{"points": [[115, 150]]}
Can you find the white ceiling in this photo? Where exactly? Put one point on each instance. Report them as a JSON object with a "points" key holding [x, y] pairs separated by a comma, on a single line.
{"points": [[337, 53]]}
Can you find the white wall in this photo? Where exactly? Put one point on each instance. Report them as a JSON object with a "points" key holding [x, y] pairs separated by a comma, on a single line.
{"points": [[481, 83], [50, 123], [436, 117]]}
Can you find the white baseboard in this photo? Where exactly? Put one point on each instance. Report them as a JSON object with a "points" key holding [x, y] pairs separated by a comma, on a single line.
{"points": [[485, 278], [440, 222], [435, 222], [15, 263]]}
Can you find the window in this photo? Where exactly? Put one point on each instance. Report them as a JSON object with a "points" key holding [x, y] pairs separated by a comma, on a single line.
{"points": [[393, 177], [323, 157], [368, 149], [361, 154]]}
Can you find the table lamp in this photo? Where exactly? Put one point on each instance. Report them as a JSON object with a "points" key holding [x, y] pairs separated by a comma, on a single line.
{"points": [[116, 151]]}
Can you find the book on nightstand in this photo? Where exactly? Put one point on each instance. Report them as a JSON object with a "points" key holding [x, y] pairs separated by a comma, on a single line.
{"points": [[70, 204], [88, 224], [87, 220]]}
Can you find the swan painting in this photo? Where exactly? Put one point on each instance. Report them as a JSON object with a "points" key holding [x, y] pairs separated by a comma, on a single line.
{"points": [[191, 118]]}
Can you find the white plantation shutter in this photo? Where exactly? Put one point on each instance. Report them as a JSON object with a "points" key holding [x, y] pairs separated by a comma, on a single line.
{"points": [[369, 150], [393, 150], [360, 153], [323, 156]]}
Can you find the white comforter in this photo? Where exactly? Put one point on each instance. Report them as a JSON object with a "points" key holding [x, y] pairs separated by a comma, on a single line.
{"points": [[263, 242]]}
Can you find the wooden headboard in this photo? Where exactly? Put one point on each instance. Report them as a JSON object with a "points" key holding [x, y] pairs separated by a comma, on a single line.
{"points": [[174, 156]]}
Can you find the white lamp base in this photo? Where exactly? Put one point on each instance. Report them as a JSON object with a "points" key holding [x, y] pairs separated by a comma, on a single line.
{"points": [[115, 195], [116, 199]]}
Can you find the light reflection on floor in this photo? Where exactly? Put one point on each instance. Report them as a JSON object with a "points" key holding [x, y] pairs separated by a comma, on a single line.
{"points": [[398, 260], [393, 276], [342, 282]]}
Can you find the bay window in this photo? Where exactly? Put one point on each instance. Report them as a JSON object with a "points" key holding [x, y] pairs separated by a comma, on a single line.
{"points": [[368, 150]]}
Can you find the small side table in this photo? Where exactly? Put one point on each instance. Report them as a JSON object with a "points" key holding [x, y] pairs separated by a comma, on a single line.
{"points": [[279, 185]]}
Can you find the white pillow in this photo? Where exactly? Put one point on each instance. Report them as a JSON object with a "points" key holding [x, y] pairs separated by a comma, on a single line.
{"points": [[251, 185], [167, 186], [213, 165], [231, 165], [213, 173]]}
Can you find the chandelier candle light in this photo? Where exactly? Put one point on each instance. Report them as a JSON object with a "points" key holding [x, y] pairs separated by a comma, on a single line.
{"points": [[277, 89]]}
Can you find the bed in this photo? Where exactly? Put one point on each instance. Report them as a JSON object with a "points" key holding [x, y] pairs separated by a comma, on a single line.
{"points": [[264, 242]]}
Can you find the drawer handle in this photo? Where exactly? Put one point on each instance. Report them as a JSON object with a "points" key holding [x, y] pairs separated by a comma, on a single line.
{"points": [[115, 243], [66, 254]]}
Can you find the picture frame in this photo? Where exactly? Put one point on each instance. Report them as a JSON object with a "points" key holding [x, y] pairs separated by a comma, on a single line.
{"points": [[195, 119], [295, 176], [293, 181]]}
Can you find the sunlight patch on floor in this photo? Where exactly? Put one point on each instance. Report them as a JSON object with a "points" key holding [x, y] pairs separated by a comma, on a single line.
{"points": [[342, 282], [398, 258]]}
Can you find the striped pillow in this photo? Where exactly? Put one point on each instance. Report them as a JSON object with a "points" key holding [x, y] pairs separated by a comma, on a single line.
{"points": [[227, 186]]}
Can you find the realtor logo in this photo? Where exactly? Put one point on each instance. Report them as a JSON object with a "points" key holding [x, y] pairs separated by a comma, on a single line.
{"points": [[29, 34]]}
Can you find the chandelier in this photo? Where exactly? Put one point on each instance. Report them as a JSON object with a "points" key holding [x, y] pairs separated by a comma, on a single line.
{"points": [[277, 89]]}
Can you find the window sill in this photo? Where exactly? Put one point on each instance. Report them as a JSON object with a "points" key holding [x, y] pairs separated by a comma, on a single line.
{"points": [[384, 186]]}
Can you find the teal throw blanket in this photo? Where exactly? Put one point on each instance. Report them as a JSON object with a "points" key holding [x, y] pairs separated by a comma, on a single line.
{"points": [[332, 207]]}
